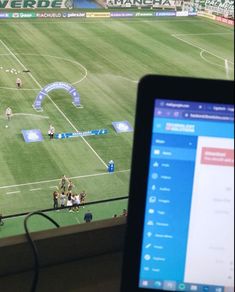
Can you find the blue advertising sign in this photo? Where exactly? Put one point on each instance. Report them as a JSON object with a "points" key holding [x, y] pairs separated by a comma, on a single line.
{"points": [[122, 14], [56, 85], [192, 13], [165, 13], [4, 15], [34, 135], [123, 126], [81, 134]]}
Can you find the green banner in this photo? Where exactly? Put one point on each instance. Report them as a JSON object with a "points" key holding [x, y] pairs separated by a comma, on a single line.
{"points": [[144, 14]]}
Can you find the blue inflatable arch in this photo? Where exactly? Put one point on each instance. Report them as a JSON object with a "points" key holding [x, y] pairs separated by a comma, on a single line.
{"points": [[56, 85]]}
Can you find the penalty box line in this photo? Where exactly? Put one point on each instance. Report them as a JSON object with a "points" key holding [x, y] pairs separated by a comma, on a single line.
{"points": [[62, 113], [55, 180], [199, 47]]}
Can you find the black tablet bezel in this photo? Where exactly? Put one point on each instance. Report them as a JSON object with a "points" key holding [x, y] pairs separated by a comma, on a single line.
{"points": [[152, 87]]}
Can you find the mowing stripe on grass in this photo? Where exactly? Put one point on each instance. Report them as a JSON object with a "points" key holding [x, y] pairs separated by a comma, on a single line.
{"points": [[62, 113], [77, 21], [9, 193], [74, 177], [31, 115]]}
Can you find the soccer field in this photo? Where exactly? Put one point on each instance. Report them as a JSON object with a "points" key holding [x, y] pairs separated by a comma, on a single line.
{"points": [[103, 59]]}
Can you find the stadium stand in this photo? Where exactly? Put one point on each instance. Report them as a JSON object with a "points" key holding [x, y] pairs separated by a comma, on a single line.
{"points": [[85, 4]]}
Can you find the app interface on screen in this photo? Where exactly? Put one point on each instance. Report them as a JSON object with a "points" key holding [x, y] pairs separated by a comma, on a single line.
{"points": [[188, 237]]}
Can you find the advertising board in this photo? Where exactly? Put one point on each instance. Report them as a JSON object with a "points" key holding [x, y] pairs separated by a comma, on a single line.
{"points": [[181, 13], [165, 13], [224, 20], [98, 14], [122, 14]]}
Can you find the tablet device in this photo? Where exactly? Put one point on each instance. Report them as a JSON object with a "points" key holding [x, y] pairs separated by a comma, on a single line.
{"points": [[180, 228]]}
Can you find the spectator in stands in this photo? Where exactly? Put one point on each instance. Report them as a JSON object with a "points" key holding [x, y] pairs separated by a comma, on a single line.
{"points": [[88, 216]]}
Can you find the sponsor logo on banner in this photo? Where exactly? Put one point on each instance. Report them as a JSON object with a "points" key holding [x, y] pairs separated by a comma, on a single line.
{"points": [[56, 85], [23, 15], [32, 4], [98, 14], [166, 13], [4, 15], [123, 126], [34, 135], [15, 15], [81, 134], [78, 14], [121, 14], [48, 15], [192, 13], [181, 13], [144, 14], [224, 20]]}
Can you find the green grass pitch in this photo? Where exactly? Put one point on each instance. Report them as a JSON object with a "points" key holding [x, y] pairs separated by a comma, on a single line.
{"points": [[103, 59]]}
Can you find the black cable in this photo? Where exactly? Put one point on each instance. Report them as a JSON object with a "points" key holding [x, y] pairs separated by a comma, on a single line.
{"points": [[33, 246], [52, 209]]}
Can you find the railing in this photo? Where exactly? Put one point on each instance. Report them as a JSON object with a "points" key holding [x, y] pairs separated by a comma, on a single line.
{"points": [[102, 209]]}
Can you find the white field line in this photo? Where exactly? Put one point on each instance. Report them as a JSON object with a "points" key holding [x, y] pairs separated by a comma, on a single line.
{"points": [[33, 190], [51, 56], [200, 48], [209, 62], [226, 68], [9, 193], [206, 33], [74, 177], [77, 220], [61, 58], [66, 118]]}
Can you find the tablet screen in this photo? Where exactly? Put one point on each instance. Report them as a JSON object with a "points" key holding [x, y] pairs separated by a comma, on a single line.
{"points": [[190, 191]]}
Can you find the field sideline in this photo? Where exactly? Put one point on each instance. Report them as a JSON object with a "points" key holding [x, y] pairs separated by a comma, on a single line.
{"points": [[103, 59]]}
